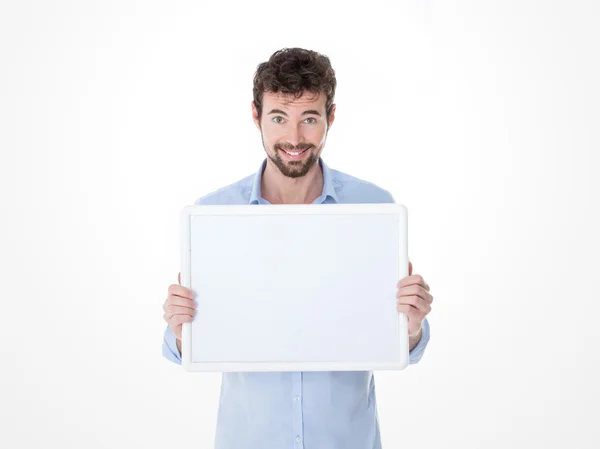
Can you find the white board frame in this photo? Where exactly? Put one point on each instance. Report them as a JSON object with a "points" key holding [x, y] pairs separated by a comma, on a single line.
{"points": [[399, 210]]}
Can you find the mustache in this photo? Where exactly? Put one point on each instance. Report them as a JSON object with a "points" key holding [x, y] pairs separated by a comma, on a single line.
{"points": [[290, 147]]}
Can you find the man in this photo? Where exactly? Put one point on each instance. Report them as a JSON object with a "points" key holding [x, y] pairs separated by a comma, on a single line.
{"points": [[293, 109]]}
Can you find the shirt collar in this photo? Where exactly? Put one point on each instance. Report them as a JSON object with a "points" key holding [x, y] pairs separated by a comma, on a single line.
{"points": [[328, 188]]}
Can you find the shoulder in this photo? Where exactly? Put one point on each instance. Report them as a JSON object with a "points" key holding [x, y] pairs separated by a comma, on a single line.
{"points": [[237, 192], [352, 189]]}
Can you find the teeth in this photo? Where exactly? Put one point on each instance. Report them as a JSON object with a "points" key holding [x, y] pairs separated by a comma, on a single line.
{"points": [[293, 154]]}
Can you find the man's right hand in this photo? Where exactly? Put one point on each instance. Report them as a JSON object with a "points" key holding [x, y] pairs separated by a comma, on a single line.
{"points": [[179, 308]]}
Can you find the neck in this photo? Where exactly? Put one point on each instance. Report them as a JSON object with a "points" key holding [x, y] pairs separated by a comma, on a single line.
{"points": [[279, 189]]}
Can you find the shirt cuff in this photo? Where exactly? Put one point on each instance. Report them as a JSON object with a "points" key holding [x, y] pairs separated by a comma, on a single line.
{"points": [[417, 352], [169, 347]]}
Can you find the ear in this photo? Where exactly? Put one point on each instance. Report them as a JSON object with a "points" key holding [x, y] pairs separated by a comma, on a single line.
{"points": [[331, 117], [255, 115]]}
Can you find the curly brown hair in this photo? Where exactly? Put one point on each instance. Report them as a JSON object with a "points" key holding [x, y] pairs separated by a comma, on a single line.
{"points": [[294, 71]]}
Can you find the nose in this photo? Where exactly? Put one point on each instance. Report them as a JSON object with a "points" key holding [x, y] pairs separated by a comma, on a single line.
{"points": [[293, 135]]}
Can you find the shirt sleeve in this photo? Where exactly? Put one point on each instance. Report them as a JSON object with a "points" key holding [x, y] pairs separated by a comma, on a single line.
{"points": [[169, 347], [417, 352]]}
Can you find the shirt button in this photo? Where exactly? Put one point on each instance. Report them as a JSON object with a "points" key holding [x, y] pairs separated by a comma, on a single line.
{"points": [[298, 439], [297, 398]]}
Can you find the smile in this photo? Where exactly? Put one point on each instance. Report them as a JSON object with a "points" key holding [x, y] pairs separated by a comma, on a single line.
{"points": [[294, 154]]}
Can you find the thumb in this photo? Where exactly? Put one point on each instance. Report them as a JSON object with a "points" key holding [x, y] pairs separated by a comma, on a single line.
{"points": [[409, 268], [179, 278]]}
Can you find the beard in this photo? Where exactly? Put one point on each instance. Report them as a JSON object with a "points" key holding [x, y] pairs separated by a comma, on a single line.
{"points": [[294, 169]]}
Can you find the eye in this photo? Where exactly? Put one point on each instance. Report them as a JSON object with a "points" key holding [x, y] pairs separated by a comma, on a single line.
{"points": [[314, 120], [275, 118]]}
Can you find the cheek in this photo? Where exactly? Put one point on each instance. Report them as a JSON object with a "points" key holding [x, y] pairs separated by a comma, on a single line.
{"points": [[272, 135], [315, 134], [267, 139], [318, 137]]}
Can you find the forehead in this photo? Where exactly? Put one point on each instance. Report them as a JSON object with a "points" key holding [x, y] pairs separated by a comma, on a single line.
{"points": [[308, 100]]}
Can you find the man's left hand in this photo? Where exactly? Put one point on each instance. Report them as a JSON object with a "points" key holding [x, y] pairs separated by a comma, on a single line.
{"points": [[413, 299]]}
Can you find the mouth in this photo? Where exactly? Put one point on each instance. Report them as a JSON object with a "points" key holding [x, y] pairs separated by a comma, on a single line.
{"points": [[294, 155]]}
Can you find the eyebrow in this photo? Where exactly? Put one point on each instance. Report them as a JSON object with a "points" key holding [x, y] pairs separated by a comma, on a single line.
{"points": [[279, 111]]}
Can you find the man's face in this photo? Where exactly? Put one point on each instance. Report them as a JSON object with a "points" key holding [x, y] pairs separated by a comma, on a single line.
{"points": [[289, 126]]}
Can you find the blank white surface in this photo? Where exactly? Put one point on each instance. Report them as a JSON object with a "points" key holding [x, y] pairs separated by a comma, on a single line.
{"points": [[300, 287]]}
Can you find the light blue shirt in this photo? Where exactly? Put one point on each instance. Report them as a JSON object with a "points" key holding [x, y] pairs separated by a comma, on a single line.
{"points": [[298, 410]]}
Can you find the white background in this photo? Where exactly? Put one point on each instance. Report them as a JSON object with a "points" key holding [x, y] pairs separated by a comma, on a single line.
{"points": [[481, 117]]}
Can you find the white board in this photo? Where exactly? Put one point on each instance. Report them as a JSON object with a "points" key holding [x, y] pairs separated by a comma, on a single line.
{"points": [[294, 287]]}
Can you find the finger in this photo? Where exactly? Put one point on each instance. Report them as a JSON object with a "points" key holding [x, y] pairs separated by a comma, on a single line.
{"points": [[178, 290], [411, 312], [179, 301], [411, 280], [415, 290], [415, 301], [179, 310], [177, 320], [409, 268]]}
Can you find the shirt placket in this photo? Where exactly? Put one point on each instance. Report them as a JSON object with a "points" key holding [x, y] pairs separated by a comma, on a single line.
{"points": [[297, 398]]}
